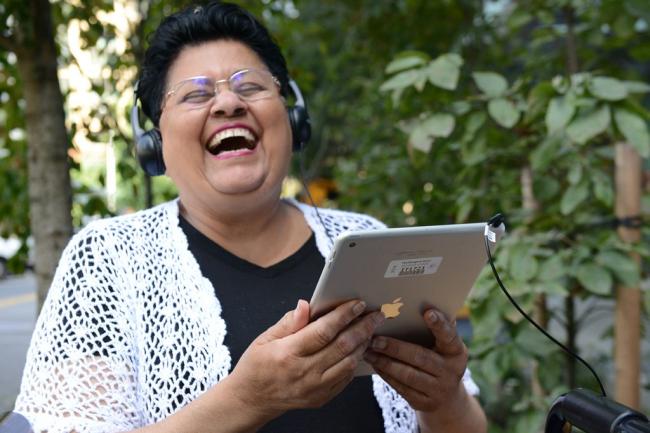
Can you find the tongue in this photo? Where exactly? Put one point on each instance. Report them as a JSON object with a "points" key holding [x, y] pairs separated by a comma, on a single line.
{"points": [[232, 143]]}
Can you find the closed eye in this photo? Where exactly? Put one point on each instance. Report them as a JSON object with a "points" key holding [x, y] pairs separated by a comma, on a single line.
{"points": [[197, 96], [249, 89]]}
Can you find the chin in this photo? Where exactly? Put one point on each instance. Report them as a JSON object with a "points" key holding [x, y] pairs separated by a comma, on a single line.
{"points": [[240, 187]]}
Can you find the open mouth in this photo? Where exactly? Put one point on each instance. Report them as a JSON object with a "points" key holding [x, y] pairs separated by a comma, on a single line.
{"points": [[231, 140]]}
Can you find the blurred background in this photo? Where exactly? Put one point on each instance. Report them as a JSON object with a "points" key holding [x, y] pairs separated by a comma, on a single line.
{"points": [[424, 112]]}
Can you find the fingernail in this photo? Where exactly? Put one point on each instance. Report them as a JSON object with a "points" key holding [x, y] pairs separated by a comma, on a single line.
{"points": [[379, 318], [370, 357], [359, 308], [433, 317], [378, 343]]}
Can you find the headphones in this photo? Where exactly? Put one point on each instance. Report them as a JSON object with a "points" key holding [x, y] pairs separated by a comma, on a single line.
{"points": [[148, 144]]}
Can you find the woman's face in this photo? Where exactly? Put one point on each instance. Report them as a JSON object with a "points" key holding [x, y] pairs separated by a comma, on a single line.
{"points": [[228, 146]]}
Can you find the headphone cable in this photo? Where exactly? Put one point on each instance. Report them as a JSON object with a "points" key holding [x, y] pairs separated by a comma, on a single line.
{"points": [[301, 164], [495, 222]]}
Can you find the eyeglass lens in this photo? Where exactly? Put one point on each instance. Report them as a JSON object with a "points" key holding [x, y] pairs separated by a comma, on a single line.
{"points": [[249, 85]]}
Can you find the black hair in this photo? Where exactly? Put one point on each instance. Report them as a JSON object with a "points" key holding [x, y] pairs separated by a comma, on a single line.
{"points": [[193, 26]]}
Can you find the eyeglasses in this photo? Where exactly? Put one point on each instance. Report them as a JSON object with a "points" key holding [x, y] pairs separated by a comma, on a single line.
{"points": [[247, 84]]}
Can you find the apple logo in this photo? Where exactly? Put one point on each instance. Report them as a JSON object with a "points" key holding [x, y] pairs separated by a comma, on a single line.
{"points": [[391, 310]]}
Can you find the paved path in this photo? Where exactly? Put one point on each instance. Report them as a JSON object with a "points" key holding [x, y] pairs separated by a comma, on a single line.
{"points": [[17, 318]]}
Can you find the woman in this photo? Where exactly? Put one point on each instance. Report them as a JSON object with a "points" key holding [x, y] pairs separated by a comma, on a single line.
{"points": [[133, 333]]}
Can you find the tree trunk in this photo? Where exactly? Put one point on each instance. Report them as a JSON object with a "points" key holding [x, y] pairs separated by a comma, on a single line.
{"points": [[50, 193], [627, 328]]}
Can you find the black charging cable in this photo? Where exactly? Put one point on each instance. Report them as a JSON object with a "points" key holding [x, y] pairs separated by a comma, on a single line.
{"points": [[495, 222]]}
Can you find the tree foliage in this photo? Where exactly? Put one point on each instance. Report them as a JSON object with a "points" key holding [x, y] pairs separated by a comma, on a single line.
{"points": [[520, 117]]}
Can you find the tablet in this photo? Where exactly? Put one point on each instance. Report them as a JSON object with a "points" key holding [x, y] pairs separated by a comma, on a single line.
{"points": [[403, 272]]}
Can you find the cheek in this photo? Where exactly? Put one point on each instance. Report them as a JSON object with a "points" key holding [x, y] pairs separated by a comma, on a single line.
{"points": [[180, 133], [181, 143], [278, 123]]}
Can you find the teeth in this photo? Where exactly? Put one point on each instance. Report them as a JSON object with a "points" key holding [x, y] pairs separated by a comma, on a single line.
{"points": [[228, 133]]}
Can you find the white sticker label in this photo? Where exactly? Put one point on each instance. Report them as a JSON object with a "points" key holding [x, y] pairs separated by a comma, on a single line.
{"points": [[413, 267], [492, 237]]}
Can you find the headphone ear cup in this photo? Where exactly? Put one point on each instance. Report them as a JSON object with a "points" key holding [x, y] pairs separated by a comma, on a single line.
{"points": [[149, 152], [300, 127]]}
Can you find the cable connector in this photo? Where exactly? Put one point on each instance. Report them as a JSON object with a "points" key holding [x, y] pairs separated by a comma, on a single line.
{"points": [[494, 227], [496, 220]]}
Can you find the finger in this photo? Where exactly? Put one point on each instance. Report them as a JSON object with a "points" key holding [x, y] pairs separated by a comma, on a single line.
{"points": [[418, 399], [300, 317], [290, 323], [345, 367], [357, 334], [408, 353], [324, 330], [448, 342], [403, 373]]}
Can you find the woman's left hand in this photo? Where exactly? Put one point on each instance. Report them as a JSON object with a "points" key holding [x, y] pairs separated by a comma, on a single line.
{"points": [[426, 378]]}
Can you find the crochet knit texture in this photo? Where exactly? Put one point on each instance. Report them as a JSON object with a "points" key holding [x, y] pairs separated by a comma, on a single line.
{"points": [[131, 331]]}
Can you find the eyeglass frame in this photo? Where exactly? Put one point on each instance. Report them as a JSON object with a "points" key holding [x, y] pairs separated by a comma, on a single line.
{"points": [[175, 87]]}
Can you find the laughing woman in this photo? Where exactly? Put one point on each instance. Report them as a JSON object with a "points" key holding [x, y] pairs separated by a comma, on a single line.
{"points": [[190, 316]]}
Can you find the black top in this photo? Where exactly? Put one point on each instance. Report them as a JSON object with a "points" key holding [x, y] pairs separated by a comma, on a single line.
{"points": [[254, 298]]}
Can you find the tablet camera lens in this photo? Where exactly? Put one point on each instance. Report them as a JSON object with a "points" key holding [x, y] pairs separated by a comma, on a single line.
{"points": [[352, 244]]}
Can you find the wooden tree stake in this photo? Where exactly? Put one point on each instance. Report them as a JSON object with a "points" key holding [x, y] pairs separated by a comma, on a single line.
{"points": [[627, 328]]}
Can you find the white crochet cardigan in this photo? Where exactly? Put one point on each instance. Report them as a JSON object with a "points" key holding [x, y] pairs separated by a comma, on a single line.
{"points": [[130, 324]]}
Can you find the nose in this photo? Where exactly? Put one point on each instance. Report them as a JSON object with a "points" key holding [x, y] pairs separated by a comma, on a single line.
{"points": [[227, 104]]}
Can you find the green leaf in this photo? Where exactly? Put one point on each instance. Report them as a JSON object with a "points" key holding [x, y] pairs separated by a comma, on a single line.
{"points": [[474, 151], [636, 86], [603, 188], [439, 125], [490, 83], [553, 287], [533, 342], [474, 122], [622, 265], [589, 125], [573, 196], [401, 81], [423, 133], [560, 111], [523, 266], [543, 154], [465, 204], [575, 173], [607, 88], [461, 107], [634, 129], [421, 140], [537, 101], [444, 71], [402, 63], [595, 279], [552, 268], [546, 188], [503, 112]]}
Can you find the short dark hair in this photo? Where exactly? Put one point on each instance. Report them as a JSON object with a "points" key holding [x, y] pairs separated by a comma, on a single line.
{"points": [[195, 25]]}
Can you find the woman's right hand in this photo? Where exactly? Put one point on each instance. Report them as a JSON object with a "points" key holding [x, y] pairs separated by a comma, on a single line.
{"points": [[298, 364]]}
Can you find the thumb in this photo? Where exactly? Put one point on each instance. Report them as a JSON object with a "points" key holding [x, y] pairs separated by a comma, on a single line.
{"points": [[292, 322]]}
